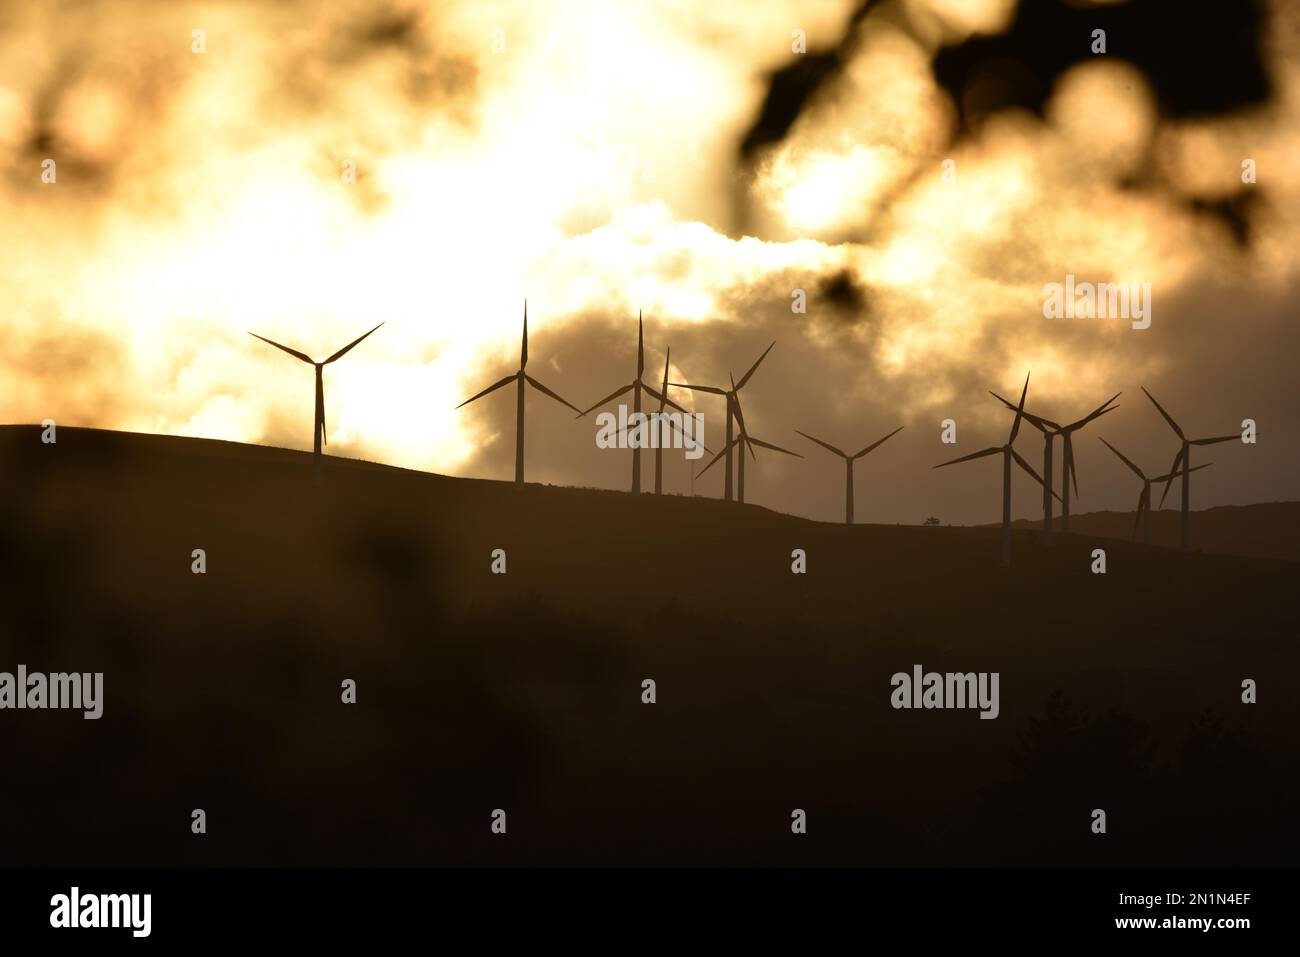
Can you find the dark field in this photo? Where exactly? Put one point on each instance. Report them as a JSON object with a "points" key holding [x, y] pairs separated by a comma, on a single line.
{"points": [[523, 691]]}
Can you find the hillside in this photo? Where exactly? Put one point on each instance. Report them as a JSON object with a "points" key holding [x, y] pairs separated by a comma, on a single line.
{"points": [[523, 691], [1267, 530]]}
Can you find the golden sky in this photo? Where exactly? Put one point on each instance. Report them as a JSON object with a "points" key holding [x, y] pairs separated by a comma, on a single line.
{"points": [[583, 154]]}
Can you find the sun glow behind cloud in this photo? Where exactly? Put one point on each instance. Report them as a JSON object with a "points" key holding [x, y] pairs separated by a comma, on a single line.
{"points": [[233, 223]]}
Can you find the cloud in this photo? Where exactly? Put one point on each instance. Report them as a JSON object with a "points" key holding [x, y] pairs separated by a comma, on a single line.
{"points": [[585, 156]]}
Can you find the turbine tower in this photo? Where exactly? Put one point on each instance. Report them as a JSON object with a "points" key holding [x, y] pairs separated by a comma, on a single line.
{"points": [[636, 387], [1050, 430], [659, 446], [1008, 453], [1143, 515], [318, 423], [848, 466], [730, 395], [1184, 457], [521, 378]]}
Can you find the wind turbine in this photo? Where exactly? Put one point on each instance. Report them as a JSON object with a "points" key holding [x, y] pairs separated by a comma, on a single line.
{"points": [[1050, 430], [1144, 498], [848, 466], [1184, 456], [1068, 469], [745, 441], [636, 387], [731, 415], [1008, 453], [318, 423], [521, 377]]}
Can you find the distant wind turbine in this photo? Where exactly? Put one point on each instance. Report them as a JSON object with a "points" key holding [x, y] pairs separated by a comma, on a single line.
{"points": [[1050, 431], [521, 377], [745, 442], [1008, 453], [848, 466], [1143, 515], [1184, 457], [318, 423], [636, 387], [730, 396], [1069, 470]]}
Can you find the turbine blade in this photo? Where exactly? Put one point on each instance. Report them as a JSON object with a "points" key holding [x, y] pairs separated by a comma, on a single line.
{"points": [[1168, 418], [745, 377], [735, 399], [678, 429], [1095, 413], [825, 445], [545, 391], [1020, 411], [1090, 416], [293, 352], [718, 456], [609, 398], [992, 450], [878, 442], [662, 397], [664, 390], [1101, 409], [640, 344], [344, 351], [1124, 459], [1030, 469], [1142, 503], [1173, 474], [1069, 464], [1037, 421], [749, 439], [492, 388], [699, 388], [1214, 441], [523, 348]]}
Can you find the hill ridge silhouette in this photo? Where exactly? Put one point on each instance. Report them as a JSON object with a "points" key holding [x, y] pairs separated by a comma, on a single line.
{"points": [[523, 690], [1278, 543]]}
